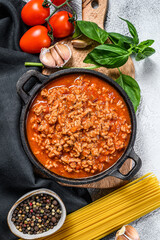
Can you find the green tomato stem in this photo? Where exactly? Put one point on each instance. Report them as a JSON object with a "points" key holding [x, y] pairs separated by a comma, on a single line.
{"points": [[73, 12], [33, 64]]}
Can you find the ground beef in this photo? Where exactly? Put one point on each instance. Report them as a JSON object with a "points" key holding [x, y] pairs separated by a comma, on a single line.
{"points": [[79, 127]]}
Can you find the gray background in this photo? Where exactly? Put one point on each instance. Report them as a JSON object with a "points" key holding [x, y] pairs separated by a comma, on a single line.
{"points": [[145, 15]]}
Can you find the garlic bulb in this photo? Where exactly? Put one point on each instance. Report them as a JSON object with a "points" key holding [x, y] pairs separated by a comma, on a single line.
{"points": [[55, 56], [127, 233]]}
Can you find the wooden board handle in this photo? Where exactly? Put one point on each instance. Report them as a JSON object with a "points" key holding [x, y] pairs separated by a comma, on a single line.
{"points": [[97, 14]]}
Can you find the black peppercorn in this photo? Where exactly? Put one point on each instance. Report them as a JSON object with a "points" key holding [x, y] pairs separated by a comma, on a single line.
{"points": [[37, 214]]}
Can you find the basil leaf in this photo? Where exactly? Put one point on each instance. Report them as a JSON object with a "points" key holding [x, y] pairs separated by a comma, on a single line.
{"points": [[108, 55], [121, 44], [77, 32], [145, 44], [89, 59], [132, 30], [118, 38], [147, 52], [92, 31], [131, 87]]}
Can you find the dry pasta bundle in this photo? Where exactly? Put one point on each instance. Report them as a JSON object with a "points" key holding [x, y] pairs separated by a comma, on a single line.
{"points": [[114, 210]]}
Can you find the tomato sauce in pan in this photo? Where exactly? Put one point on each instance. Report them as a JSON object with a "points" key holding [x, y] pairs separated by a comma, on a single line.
{"points": [[78, 126]]}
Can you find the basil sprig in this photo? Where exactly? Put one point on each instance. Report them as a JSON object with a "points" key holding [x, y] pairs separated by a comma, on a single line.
{"points": [[145, 44], [121, 40], [108, 55], [131, 87], [90, 30], [126, 45], [116, 53], [132, 31], [147, 52]]}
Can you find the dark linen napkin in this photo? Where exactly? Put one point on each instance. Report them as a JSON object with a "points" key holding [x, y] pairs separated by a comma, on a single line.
{"points": [[17, 175]]}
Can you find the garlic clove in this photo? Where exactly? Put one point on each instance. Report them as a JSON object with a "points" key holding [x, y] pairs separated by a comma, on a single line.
{"points": [[59, 61], [122, 237], [46, 58], [63, 50], [127, 232], [131, 231], [121, 231], [81, 42], [77, 43]]}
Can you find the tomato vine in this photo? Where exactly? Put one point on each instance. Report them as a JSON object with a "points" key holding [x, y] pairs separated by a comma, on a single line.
{"points": [[47, 4]]}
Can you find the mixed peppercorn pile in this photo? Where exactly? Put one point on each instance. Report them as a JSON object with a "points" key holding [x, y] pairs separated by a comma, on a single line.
{"points": [[37, 214]]}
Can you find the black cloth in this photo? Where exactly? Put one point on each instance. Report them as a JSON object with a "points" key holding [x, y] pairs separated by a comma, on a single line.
{"points": [[17, 175]]}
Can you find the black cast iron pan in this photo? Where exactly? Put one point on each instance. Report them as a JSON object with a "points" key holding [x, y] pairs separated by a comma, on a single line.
{"points": [[28, 97]]}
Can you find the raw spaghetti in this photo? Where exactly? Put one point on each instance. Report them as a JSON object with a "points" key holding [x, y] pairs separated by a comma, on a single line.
{"points": [[111, 212]]}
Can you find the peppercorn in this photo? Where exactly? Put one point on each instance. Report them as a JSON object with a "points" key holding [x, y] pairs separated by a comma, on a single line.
{"points": [[55, 202], [37, 214], [53, 219]]}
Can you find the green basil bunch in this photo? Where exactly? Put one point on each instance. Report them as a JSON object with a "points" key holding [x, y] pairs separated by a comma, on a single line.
{"points": [[116, 54]]}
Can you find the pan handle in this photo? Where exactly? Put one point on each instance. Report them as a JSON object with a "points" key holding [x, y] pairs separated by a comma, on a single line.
{"points": [[24, 79], [133, 171]]}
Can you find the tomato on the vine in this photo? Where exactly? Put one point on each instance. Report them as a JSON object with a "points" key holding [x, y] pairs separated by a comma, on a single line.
{"points": [[33, 13], [61, 25], [58, 2], [35, 39]]}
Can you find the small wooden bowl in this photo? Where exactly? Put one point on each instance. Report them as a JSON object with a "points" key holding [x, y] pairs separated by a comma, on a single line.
{"points": [[40, 235]]}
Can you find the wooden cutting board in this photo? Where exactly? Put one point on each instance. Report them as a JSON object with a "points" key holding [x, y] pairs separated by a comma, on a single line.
{"points": [[97, 15]]}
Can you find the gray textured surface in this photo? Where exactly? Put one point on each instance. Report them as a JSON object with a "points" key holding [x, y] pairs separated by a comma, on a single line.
{"points": [[145, 15]]}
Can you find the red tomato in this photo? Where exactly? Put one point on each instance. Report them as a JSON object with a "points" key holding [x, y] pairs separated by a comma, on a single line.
{"points": [[35, 39], [58, 2], [60, 24], [34, 14]]}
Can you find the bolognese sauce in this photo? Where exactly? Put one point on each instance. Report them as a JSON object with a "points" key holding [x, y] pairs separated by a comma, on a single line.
{"points": [[78, 126]]}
